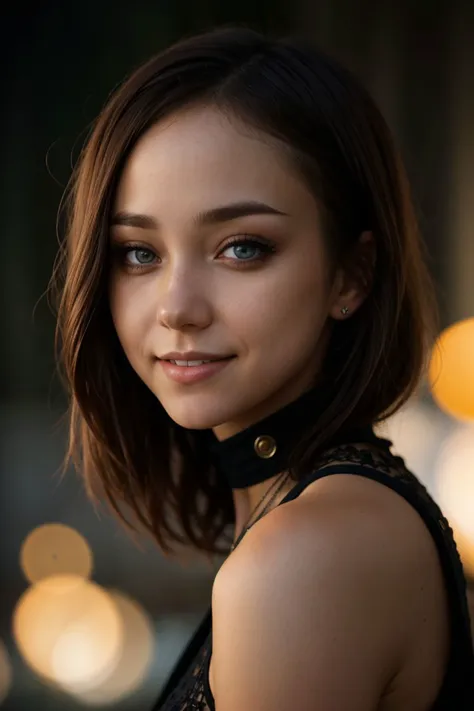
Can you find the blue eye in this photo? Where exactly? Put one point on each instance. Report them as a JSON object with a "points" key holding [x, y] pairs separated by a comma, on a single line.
{"points": [[143, 256], [249, 250]]}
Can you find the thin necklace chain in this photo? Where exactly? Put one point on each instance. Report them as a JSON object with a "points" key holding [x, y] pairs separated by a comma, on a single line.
{"points": [[246, 526]]}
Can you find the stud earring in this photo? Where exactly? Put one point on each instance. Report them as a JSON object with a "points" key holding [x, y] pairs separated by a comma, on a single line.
{"points": [[344, 310]]}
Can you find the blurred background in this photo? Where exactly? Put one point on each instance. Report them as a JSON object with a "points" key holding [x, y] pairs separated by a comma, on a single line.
{"points": [[60, 61]]}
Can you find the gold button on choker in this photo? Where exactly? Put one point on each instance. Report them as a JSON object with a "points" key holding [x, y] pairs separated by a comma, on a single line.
{"points": [[262, 450], [265, 446]]}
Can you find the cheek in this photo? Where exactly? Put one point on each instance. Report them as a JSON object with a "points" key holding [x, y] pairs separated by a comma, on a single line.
{"points": [[128, 310], [289, 311]]}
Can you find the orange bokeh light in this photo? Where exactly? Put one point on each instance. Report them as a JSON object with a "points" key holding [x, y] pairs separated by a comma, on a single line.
{"points": [[451, 371], [55, 549]]}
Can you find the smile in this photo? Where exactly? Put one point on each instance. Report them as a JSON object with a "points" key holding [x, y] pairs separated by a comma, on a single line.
{"points": [[193, 371]]}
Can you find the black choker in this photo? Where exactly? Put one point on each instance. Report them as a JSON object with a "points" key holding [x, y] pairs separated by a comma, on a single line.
{"points": [[262, 450]]}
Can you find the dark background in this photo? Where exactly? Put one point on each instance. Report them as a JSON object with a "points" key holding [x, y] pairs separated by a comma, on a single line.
{"points": [[60, 60]]}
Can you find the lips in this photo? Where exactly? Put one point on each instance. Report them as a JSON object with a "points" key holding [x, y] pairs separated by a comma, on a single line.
{"points": [[187, 375]]}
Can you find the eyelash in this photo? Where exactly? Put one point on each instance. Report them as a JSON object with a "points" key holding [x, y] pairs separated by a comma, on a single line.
{"points": [[266, 248]]}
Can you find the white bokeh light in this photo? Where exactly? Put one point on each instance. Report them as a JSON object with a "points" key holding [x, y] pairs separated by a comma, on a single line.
{"points": [[416, 431], [455, 488], [54, 616], [135, 659]]}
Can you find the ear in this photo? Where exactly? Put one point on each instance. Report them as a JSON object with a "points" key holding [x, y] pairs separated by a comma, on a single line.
{"points": [[353, 279]]}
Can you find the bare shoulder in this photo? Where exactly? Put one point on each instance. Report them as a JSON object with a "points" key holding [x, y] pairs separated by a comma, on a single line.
{"points": [[373, 520], [350, 520], [335, 584]]}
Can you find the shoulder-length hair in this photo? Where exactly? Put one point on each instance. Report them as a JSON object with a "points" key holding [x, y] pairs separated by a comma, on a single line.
{"points": [[120, 436]]}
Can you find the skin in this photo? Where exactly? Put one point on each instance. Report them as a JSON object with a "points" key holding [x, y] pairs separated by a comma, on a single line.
{"points": [[360, 612], [199, 293], [347, 585]]}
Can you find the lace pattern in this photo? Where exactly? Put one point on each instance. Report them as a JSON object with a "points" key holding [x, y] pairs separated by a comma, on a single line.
{"points": [[383, 461], [189, 694]]}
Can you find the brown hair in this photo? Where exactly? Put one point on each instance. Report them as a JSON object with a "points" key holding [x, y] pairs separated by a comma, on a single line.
{"points": [[120, 435]]}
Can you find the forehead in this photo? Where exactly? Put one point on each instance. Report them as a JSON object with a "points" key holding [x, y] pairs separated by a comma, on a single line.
{"points": [[201, 156]]}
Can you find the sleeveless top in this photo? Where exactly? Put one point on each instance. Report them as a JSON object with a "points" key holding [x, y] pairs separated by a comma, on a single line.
{"points": [[187, 688]]}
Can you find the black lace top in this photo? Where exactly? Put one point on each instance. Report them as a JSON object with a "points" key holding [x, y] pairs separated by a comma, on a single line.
{"points": [[188, 688]]}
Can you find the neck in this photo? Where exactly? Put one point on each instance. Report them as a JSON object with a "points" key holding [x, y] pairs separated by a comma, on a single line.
{"points": [[246, 501]]}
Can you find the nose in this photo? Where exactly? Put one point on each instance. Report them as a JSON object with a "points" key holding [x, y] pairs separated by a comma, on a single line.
{"points": [[183, 301]]}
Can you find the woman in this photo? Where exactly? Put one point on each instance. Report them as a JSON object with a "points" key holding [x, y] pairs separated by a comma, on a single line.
{"points": [[244, 297]]}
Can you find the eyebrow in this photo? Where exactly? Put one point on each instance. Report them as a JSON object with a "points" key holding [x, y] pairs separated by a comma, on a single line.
{"points": [[224, 213]]}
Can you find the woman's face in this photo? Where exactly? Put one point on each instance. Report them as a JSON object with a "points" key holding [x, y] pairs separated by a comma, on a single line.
{"points": [[194, 187]]}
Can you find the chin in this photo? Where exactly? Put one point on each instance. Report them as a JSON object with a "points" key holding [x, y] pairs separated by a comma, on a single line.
{"points": [[194, 423], [193, 417]]}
